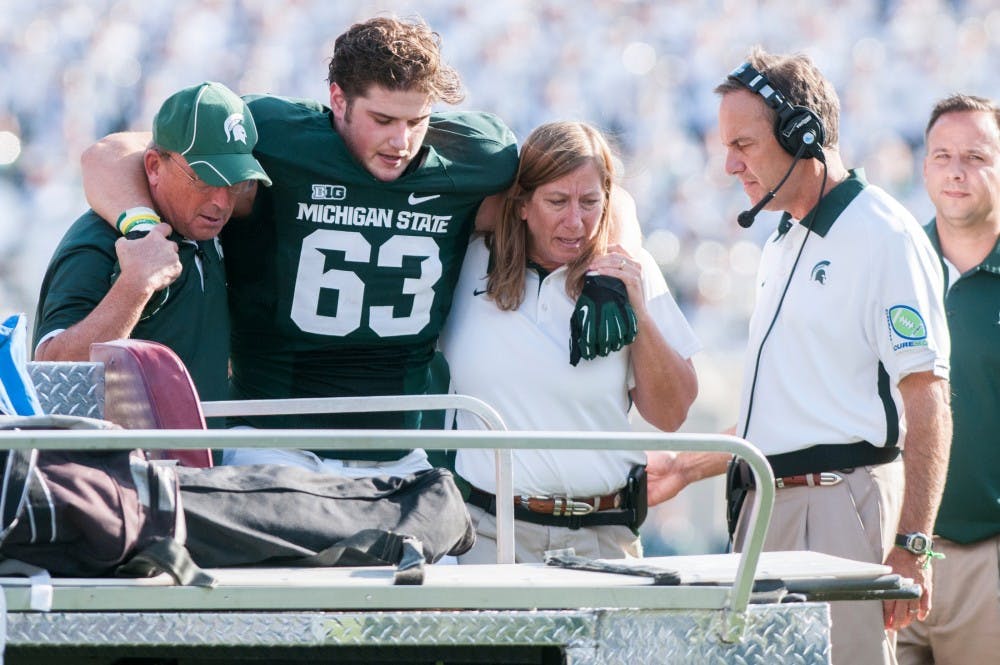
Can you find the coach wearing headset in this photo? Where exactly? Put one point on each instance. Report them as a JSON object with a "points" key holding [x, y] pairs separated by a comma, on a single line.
{"points": [[847, 359]]}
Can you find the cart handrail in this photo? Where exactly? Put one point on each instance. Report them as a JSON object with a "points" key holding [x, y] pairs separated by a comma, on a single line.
{"points": [[303, 405], [763, 499]]}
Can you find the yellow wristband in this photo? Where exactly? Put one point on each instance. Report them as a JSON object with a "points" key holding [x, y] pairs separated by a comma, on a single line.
{"points": [[137, 219]]}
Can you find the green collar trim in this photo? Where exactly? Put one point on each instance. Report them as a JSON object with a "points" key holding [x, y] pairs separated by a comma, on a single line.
{"points": [[821, 218], [542, 272], [931, 230], [990, 264]]}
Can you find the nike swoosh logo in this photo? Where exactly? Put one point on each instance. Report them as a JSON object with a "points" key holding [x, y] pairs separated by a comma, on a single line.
{"points": [[477, 292], [416, 200]]}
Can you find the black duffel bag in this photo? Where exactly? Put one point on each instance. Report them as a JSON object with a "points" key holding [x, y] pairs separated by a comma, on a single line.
{"points": [[95, 513], [286, 516]]}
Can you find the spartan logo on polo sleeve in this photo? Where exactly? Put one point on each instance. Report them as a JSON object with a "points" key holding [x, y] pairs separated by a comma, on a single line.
{"points": [[235, 131], [907, 326]]}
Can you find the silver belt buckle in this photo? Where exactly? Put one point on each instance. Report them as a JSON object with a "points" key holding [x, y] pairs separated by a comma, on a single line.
{"points": [[574, 508], [565, 507], [561, 506], [830, 478]]}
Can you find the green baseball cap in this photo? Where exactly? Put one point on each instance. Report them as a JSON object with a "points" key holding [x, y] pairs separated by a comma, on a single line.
{"points": [[213, 129]]}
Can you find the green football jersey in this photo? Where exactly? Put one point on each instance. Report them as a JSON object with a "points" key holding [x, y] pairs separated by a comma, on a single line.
{"points": [[340, 283], [192, 320]]}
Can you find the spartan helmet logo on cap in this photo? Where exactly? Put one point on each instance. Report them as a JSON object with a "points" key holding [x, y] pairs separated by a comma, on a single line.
{"points": [[234, 128]]}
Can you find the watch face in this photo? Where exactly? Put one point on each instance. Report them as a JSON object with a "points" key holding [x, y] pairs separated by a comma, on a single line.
{"points": [[918, 544]]}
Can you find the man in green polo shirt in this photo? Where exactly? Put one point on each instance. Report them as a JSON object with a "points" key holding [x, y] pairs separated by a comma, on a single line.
{"points": [[962, 176], [168, 285]]}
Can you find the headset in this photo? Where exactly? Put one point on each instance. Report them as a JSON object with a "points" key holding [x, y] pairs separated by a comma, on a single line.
{"points": [[797, 128], [800, 133]]}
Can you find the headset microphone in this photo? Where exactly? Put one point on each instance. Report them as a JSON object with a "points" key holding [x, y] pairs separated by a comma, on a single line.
{"points": [[799, 130], [747, 217]]}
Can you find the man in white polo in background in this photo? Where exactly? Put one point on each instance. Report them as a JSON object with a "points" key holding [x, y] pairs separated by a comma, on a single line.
{"points": [[847, 360]]}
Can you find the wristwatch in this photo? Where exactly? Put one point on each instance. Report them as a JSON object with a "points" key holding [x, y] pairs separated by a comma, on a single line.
{"points": [[915, 543]]}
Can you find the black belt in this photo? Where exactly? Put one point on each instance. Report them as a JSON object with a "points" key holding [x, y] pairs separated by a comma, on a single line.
{"points": [[623, 516], [815, 460], [830, 457]]}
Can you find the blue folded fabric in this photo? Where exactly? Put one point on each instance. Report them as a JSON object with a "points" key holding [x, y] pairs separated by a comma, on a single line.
{"points": [[17, 392]]}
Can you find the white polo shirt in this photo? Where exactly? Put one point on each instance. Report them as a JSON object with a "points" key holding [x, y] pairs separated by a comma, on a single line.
{"points": [[863, 310], [518, 362]]}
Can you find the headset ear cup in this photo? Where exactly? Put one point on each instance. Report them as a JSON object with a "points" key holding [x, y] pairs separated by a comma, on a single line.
{"points": [[796, 127], [802, 126]]}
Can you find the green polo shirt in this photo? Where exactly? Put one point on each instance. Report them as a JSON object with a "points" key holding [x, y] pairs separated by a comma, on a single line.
{"points": [[970, 509], [193, 320]]}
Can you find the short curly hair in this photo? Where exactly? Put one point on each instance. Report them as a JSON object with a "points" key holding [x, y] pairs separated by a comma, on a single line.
{"points": [[395, 54]]}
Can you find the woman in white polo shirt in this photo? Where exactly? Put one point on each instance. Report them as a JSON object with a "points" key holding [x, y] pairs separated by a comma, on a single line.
{"points": [[506, 342]]}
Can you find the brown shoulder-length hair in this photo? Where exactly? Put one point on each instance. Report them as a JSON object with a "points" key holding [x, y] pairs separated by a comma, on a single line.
{"points": [[552, 151]]}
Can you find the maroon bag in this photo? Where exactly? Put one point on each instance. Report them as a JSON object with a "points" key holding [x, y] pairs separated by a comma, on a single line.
{"points": [[91, 513]]}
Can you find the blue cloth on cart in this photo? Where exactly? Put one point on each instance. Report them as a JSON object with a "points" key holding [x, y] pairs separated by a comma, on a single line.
{"points": [[17, 392]]}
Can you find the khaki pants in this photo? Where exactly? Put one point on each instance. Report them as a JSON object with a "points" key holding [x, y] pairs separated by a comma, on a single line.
{"points": [[855, 519], [964, 623], [531, 541]]}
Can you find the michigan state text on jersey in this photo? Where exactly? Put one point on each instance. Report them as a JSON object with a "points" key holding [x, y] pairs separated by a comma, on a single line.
{"points": [[339, 282]]}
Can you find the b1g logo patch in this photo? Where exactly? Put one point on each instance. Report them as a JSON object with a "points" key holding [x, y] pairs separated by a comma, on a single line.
{"points": [[906, 324], [329, 192]]}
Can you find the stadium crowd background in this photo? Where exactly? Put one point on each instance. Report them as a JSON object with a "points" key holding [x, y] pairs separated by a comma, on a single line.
{"points": [[642, 70]]}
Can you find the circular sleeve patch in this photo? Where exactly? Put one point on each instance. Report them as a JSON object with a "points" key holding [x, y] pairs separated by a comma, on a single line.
{"points": [[907, 322]]}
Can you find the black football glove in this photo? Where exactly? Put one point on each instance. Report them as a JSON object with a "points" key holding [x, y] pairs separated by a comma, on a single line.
{"points": [[603, 320]]}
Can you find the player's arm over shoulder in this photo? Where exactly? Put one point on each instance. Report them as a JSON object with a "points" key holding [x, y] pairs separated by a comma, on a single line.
{"points": [[480, 154], [270, 108], [478, 149], [481, 127], [114, 177]]}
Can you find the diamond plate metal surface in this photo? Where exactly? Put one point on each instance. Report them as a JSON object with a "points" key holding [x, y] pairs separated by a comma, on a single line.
{"points": [[68, 388], [276, 629], [459, 628], [794, 634]]}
